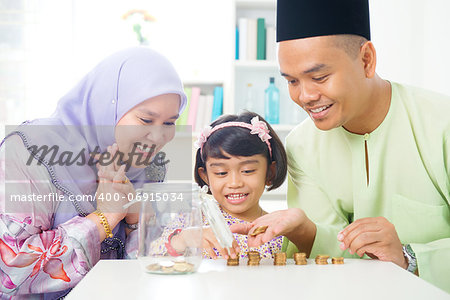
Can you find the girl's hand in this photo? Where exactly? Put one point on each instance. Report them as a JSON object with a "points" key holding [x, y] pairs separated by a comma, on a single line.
{"points": [[209, 242], [189, 238]]}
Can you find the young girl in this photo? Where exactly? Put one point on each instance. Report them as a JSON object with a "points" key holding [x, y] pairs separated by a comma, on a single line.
{"points": [[238, 156]]}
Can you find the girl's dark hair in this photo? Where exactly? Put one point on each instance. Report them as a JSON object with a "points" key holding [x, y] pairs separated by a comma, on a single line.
{"points": [[238, 141]]}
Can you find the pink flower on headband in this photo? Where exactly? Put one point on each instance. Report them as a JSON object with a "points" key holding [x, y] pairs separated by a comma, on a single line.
{"points": [[206, 132], [260, 128]]}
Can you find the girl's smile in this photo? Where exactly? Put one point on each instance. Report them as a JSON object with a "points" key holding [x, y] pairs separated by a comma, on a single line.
{"points": [[236, 198]]}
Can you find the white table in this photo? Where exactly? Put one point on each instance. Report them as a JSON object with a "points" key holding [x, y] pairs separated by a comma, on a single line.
{"points": [[356, 279]]}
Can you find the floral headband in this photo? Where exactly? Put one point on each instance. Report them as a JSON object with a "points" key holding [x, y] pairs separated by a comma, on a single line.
{"points": [[256, 127]]}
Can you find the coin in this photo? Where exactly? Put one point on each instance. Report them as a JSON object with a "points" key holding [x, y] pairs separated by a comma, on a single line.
{"points": [[233, 261], [258, 230], [153, 267], [166, 263], [337, 260], [300, 258], [299, 255], [167, 269], [322, 259], [280, 255], [253, 258], [280, 259]]}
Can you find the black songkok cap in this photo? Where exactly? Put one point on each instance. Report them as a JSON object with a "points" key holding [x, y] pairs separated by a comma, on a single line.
{"points": [[297, 19]]}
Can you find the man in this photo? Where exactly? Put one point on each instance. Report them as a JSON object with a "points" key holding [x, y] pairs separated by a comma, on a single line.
{"points": [[369, 171]]}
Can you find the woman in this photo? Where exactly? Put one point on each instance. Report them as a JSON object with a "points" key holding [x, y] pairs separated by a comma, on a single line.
{"points": [[48, 245]]}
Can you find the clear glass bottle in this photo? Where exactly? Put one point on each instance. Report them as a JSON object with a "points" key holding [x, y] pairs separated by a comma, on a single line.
{"points": [[170, 227], [272, 103], [249, 98]]}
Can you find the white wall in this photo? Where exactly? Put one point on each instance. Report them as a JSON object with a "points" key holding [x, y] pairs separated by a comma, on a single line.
{"points": [[68, 37], [412, 39]]}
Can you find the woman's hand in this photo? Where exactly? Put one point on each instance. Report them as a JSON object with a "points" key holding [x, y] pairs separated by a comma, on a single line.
{"points": [[114, 189]]}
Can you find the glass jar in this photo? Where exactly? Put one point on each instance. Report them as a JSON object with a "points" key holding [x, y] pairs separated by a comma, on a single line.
{"points": [[170, 227]]}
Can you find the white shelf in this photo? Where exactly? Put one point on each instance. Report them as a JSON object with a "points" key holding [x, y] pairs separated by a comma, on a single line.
{"points": [[256, 4], [255, 64], [202, 82]]}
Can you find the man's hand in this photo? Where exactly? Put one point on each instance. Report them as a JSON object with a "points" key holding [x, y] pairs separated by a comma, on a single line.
{"points": [[375, 237]]}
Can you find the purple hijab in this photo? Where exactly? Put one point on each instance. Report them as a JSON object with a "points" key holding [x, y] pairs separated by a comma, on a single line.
{"points": [[94, 106]]}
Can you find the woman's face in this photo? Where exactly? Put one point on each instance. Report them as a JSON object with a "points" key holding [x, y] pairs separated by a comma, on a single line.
{"points": [[146, 128]]}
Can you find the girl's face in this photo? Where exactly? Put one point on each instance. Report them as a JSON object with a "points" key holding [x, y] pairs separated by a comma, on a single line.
{"points": [[153, 125], [237, 183]]}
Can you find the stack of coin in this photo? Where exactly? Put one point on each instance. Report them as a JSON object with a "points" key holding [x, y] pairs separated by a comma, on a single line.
{"points": [[280, 259], [233, 261], [300, 258], [322, 259], [253, 258], [258, 230], [337, 260]]}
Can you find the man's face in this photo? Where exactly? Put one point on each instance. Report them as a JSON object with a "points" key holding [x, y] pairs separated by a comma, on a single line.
{"points": [[325, 81]]}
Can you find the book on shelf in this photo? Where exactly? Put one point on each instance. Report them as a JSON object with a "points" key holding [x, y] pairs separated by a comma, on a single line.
{"points": [[182, 120], [271, 43], [203, 108], [217, 109], [255, 40], [193, 107], [242, 42], [252, 29], [237, 44], [261, 39], [201, 112]]}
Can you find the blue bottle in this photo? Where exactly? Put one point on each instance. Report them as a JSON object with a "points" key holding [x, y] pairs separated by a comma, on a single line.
{"points": [[272, 103]]}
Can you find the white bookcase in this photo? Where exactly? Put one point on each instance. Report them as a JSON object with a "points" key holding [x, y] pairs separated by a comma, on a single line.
{"points": [[258, 72]]}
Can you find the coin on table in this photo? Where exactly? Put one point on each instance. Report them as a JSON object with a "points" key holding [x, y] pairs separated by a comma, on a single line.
{"points": [[258, 230], [167, 269], [153, 267], [253, 255], [166, 263], [337, 260], [280, 255], [233, 261], [322, 259], [300, 258], [299, 255], [183, 267], [280, 259]]}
